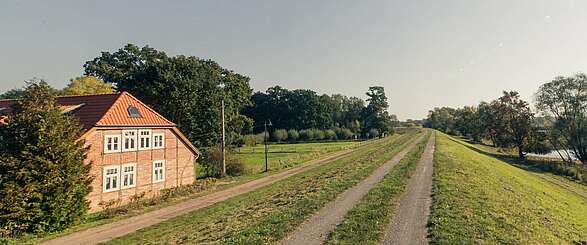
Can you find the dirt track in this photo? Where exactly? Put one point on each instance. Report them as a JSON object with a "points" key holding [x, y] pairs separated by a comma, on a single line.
{"points": [[316, 229], [408, 225], [123, 227]]}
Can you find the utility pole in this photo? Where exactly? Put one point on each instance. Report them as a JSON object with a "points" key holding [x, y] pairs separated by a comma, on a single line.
{"points": [[266, 149], [223, 145], [223, 141]]}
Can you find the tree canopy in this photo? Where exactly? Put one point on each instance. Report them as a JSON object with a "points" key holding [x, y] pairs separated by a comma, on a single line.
{"points": [[87, 85], [185, 89]]}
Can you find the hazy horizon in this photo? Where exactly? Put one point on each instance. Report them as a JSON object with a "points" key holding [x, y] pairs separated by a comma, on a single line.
{"points": [[425, 53]]}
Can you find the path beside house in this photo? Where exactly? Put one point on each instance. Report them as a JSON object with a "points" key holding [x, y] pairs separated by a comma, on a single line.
{"points": [[408, 225], [318, 227], [120, 228]]}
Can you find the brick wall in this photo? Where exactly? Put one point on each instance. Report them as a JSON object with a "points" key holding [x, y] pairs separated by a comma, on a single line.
{"points": [[179, 166]]}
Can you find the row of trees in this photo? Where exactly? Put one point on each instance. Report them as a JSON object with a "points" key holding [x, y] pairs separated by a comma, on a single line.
{"points": [[304, 109], [508, 121]]}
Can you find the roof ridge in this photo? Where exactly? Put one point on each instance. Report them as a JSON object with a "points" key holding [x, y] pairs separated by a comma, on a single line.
{"points": [[87, 95]]}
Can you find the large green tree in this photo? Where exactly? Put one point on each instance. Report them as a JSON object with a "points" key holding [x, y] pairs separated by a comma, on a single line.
{"points": [[375, 115], [516, 121], [565, 99], [185, 89], [43, 178]]}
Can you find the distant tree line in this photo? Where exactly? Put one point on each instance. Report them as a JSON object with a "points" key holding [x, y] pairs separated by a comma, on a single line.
{"points": [[306, 111], [561, 124]]}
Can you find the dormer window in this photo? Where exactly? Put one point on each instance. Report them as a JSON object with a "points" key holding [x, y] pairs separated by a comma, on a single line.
{"points": [[133, 112]]}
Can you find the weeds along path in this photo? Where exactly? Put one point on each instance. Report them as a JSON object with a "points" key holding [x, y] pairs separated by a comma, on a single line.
{"points": [[408, 225], [267, 214], [316, 229], [120, 228]]}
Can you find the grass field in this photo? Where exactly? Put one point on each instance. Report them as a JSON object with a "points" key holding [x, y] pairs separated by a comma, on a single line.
{"points": [[268, 214], [366, 222], [481, 199], [287, 155]]}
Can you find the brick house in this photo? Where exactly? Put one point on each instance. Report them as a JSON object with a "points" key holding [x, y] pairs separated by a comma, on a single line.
{"points": [[133, 149]]}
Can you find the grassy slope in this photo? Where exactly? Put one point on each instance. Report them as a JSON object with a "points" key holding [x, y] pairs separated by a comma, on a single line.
{"points": [[366, 222], [288, 154], [480, 199], [267, 214]]}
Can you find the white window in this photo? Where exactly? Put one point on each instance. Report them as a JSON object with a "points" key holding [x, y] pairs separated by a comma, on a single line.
{"points": [[111, 143], [128, 175], [129, 140], [158, 171], [159, 141], [144, 139], [111, 178]]}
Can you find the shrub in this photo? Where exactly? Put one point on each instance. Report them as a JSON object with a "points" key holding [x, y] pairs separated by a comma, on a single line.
{"points": [[293, 135], [253, 139], [211, 160], [280, 135], [43, 179], [329, 134], [373, 133], [307, 134], [318, 134], [344, 133]]}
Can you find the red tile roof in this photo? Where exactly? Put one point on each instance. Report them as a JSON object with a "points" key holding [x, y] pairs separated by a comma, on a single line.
{"points": [[105, 110]]}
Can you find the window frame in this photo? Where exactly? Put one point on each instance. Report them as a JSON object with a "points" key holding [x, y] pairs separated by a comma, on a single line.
{"points": [[135, 138], [163, 172], [108, 136], [150, 138], [123, 173], [105, 175], [162, 140]]}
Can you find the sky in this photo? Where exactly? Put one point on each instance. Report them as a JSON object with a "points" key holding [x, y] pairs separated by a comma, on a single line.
{"points": [[426, 53]]}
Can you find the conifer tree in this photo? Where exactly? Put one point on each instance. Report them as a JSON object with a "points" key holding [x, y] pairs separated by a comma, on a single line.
{"points": [[43, 178]]}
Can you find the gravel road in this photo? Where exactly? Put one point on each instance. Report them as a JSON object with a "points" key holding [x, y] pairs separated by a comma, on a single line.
{"points": [[316, 229], [408, 225]]}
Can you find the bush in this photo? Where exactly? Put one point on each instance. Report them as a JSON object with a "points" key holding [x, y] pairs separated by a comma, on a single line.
{"points": [[211, 162], [373, 133], [330, 134], [307, 134], [43, 179], [293, 135], [280, 135], [318, 134], [344, 133], [253, 139]]}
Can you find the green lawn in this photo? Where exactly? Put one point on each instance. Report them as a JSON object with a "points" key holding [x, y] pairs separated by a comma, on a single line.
{"points": [[366, 222], [268, 214], [287, 155], [481, 199]]}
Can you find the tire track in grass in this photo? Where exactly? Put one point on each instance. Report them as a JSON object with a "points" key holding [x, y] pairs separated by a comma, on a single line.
{"points": [[316, 229], [367, 221], [408, 225]]}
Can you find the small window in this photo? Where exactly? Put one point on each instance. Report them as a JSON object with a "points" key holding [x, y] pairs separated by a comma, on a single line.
{"points": [[144, 139], [158, 171], [133, 112], [111, 178], [129, 175], [159, 141], [111, 143], [129, 138]]}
